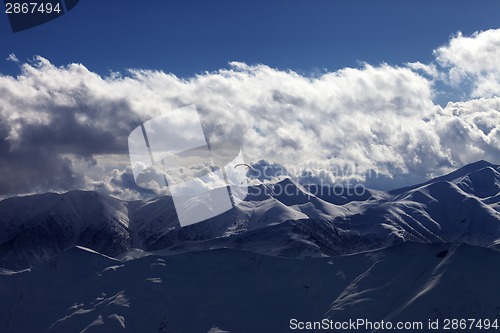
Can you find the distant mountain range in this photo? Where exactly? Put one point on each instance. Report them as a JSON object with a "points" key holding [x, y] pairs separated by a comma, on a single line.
{"points": [[463, 206], [86, 262]]}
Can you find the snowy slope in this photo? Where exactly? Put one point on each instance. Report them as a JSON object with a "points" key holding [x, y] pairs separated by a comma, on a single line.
{"points": [[36, 227], [237, 291], [418, 282], [280, 219], [463, 209]]}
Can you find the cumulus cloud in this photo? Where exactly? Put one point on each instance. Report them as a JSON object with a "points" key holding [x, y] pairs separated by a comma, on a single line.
{"points": [[474, 61], [470, 130], [67, 127]]}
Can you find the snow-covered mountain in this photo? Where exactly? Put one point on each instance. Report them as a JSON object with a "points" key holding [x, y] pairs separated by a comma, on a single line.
{"points": [[99, 264], [237, 291], [280, 219]]}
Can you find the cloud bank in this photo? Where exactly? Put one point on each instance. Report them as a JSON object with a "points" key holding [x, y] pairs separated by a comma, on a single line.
{"points": [[65, 128], [473, 61]]}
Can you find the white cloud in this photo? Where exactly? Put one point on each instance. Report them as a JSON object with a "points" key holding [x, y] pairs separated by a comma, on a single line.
{"points": [[473, 60], [371, 119], [470, 130]]}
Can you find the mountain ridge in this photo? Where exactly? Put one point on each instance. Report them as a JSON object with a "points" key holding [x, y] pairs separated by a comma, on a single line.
{"points": [[462, 206]]}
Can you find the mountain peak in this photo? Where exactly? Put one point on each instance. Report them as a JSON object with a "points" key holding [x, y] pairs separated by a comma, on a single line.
{"points": [[450, 177], [282, 218]]}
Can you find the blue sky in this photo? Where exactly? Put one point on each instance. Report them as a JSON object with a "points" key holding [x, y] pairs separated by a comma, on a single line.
{"points": [[187, 37], [367, 99]]}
